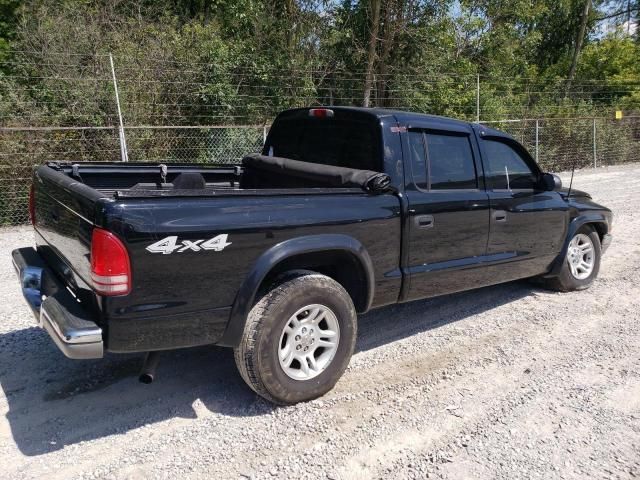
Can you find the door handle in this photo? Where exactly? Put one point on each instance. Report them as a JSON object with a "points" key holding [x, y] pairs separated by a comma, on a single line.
{"points": [[500, 216], [424, 221]]}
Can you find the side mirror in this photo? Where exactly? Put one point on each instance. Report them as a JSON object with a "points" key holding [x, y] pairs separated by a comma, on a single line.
{"points": [[550, 182]]}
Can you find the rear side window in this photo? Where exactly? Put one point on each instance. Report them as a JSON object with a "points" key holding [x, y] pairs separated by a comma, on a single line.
{"points": [[507, 169], [327, 141], [446, 163], [451, 162], [418, 159]]}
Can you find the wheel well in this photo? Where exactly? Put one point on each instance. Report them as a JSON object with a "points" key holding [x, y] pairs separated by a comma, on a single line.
{"points": [[342, 266], [599, 227]]}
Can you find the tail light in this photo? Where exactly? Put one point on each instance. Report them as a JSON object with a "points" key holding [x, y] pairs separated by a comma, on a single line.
{"points": [[32, 206], [110, 267]]}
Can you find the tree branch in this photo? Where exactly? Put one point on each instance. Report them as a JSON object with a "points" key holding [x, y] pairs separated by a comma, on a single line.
{"points": [[617, 14]]}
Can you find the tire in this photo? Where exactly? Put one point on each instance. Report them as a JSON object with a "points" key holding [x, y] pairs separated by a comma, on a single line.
{"points": [[265, 341], [567, 280]]}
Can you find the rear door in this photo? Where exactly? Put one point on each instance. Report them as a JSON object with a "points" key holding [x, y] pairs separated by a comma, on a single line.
{"points": [[528, 225], [448, 211]]}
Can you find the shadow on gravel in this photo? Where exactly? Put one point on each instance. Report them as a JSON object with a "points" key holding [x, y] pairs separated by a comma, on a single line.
{"points": [[396, 322], [54, 401]]}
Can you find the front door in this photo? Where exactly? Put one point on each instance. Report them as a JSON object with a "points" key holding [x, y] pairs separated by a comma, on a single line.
{"points": [[528, 225], [448, 213]]}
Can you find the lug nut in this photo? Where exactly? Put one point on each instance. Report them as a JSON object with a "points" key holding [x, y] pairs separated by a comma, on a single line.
{"points": [[297, 337], [313, 340], [306, 348], [298, 347], [311, 331], [304, 330]]}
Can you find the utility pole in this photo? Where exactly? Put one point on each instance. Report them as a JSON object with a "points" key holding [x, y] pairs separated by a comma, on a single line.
{"points": [[123, 141], [595, 148], [478, 98], [537, 137]]}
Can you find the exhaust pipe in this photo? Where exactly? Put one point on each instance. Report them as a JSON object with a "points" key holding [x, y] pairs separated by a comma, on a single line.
{"points": [[148, 372]]}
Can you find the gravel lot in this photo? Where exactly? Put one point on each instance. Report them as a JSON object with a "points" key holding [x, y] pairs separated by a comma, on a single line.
{"points": [[502, 382]]}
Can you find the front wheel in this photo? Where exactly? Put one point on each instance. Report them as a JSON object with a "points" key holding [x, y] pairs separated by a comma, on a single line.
{"points": [[581, 264], [298, 339]]}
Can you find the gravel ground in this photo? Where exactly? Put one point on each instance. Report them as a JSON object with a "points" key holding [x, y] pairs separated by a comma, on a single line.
{"points": [[502, 382]]}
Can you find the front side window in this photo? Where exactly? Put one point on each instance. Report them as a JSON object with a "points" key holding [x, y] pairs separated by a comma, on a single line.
{"points": [[507, 169]]}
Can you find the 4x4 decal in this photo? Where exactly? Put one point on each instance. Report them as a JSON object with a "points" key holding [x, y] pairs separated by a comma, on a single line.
{"points": [[170, 244]]}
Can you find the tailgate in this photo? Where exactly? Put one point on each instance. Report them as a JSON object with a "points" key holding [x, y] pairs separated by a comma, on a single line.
{"points": [[64, 211]]}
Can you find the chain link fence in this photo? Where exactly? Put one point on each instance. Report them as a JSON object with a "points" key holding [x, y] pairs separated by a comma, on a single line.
{"points": [[557, 144], [23, 148]]}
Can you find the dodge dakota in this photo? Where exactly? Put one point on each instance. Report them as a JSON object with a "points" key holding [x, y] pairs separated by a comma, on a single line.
{"points": [[345, 210]]}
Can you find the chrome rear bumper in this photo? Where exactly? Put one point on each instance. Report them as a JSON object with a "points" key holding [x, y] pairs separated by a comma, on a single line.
{"points": [[57, 311]]}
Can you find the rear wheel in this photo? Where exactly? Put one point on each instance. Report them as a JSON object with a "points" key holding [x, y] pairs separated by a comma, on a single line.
{"points": [[581, 264], [298, 339]]}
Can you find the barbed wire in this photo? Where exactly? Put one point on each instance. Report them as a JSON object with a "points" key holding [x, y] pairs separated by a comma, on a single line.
{"points": [[232, 69]]}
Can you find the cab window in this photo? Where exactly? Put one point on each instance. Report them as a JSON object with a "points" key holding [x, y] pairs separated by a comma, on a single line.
{"points": [[418, 157], [506, 168], [451, 164], [442, 161]]}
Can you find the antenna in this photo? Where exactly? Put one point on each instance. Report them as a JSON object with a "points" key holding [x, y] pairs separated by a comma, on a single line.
{"points": [[506, 173]]}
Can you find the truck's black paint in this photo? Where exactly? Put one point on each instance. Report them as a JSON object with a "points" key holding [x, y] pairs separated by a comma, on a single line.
{"points": [[384, 248]]}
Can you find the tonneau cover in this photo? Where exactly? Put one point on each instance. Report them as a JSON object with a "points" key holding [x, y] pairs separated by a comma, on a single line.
{"points": [[328, 175]]}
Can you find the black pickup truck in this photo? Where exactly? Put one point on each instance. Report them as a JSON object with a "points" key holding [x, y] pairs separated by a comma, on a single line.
{"points": [[345, 210]]}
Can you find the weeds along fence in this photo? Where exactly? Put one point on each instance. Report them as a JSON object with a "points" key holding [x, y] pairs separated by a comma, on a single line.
{"points": [[557, 144]]}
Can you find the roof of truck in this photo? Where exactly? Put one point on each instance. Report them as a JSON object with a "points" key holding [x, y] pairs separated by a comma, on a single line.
{"points": [[404, 117], [401, 114]]}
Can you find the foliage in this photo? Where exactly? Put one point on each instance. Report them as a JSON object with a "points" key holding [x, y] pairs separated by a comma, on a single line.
{"points": [[222, 62]]}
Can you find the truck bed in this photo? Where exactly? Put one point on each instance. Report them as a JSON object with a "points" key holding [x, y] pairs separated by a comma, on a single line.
{"points": [[258, 175]]}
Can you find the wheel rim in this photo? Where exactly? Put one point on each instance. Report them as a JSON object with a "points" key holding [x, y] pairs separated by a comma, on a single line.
{"points": [[581, 256], [308, 342]]}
